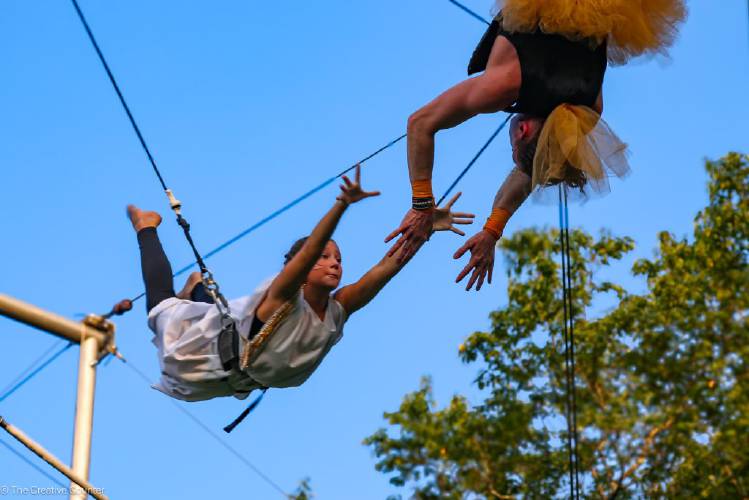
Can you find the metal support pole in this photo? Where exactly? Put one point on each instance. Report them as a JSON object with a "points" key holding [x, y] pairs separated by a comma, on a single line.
{"points": [[48, 457], [95, 335], [47, 321], [84, 412]]}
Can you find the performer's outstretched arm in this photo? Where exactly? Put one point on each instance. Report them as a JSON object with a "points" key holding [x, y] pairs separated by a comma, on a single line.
{"points": [[287, 284], [355, 296], [512, 194], [494, 90]]}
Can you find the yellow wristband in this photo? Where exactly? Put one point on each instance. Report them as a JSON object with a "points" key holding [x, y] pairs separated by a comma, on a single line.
{"points": [[497, 221], [422, 189]]}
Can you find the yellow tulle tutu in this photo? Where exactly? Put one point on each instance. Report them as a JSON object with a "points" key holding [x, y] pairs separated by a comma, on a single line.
{"points": [[576, 137], [631, 27]]}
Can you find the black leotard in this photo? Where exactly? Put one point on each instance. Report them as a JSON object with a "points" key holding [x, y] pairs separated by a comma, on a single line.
{"points": [[555, 70]]}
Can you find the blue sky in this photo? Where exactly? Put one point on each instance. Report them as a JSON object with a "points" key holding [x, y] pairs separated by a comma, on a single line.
{"points": [[247, 105]]}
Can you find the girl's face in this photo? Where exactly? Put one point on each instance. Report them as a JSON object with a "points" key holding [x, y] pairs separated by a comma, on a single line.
{"points": [[327, 271]]}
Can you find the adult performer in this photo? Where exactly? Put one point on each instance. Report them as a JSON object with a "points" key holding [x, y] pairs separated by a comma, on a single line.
{"points": [[545, 60]]}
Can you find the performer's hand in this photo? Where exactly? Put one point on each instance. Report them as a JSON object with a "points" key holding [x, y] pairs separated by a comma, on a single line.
{"points": [[414, 230], [482, 246], [351, 192], [444, 220]]}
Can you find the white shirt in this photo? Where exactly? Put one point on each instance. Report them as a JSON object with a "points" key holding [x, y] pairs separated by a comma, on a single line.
{"points": [[186, 339]]}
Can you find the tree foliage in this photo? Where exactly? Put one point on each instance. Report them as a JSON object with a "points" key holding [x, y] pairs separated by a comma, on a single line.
{"points": [[303, 491], [662, 376]]}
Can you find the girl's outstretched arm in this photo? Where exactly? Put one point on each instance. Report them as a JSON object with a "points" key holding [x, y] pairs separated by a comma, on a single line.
{"points": [[292, 277], [355, 296]]}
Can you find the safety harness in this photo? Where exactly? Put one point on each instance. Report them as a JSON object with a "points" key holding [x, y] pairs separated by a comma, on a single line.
{"points": [[228, 338]]}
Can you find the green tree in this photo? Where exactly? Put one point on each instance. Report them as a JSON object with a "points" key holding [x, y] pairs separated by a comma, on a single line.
{"points": [[662, 377], [303, 491]]}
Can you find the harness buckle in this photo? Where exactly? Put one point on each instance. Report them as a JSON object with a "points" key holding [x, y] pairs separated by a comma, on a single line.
{"points": [[228, 347]]}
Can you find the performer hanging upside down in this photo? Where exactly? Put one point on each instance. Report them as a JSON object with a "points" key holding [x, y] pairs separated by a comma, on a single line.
{"points": [[545, 60], [286, 327]]}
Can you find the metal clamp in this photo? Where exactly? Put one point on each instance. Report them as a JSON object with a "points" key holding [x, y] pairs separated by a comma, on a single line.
{"points": [[105, 326], [174, 202]]}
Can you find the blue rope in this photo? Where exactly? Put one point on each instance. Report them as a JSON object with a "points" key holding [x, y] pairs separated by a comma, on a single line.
{"points": [[32, 365], [264, 221], [281, 210], [291, 205], [468, 11], [35, 372], [325, 184], [32, 464], [476, 157]]}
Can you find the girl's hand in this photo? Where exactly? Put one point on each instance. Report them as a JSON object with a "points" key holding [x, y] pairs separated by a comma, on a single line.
{"points": [[444, 220], [351, 192]]}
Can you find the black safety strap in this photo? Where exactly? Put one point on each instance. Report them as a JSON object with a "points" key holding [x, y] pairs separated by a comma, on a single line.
{"points": [[246, 412], [228, 347]]}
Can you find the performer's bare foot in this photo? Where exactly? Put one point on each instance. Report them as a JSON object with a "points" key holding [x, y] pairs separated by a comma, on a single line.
{"points": [[142, 218], [192, 280]]}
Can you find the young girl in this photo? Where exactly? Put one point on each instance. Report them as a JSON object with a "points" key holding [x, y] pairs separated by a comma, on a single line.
{"points": [[545, 60], [285, 328]]}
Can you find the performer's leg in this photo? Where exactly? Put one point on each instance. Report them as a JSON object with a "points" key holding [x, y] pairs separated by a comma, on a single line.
{"points": [[494, 90], [195, 290], [155, 267], [198, 294]]}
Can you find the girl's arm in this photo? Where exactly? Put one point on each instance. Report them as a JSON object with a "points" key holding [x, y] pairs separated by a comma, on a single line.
{"points": [[292, 277], [355, 296]]}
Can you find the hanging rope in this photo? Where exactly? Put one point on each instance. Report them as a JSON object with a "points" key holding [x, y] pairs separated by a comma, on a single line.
{"points": [[568, 327], [119, 94], [211, 286], [569, 346]]}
